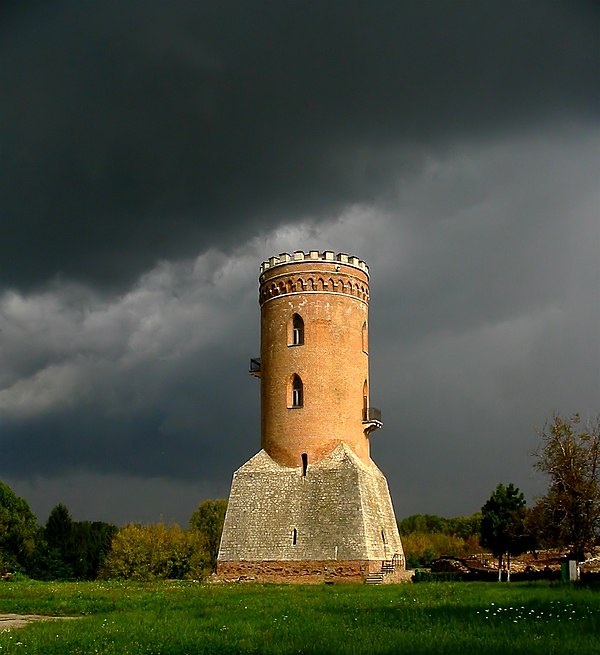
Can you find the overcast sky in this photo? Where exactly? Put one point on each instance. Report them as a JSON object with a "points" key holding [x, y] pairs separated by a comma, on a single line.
{"points": [[154, 154]]}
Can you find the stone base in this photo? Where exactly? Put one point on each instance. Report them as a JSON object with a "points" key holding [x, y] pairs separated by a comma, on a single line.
{"points": [[335, 516], [304, 572]]}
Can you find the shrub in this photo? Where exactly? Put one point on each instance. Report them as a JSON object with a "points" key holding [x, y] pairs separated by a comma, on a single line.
{"points": [[156, 551]]}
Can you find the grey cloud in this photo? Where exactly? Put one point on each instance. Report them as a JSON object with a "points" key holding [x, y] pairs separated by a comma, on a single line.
{"points": [[134, 384]]}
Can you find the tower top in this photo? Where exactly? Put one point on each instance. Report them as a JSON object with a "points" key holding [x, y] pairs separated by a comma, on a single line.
{"points": [[313, 256]]}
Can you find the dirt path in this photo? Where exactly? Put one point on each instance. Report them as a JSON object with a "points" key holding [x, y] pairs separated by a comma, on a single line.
{"points": [[10, 621]]}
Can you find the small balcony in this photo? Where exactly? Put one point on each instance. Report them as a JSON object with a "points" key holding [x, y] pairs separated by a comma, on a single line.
{"points": [[254, 369], [371, 419]]}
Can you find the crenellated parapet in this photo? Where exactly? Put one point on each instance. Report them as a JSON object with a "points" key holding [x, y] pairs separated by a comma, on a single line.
{"points": [[314, 256], [314, 272]]}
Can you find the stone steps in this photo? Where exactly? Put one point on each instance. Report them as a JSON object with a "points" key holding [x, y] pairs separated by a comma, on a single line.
{"points": [[377, 578], [374, 578]]}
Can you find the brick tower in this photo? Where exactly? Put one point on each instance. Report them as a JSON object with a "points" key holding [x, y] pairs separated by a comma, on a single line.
{"points": [[312, 503]]}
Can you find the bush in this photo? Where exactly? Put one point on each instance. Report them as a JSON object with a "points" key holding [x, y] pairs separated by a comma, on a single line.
{"points": [[156, 551]]}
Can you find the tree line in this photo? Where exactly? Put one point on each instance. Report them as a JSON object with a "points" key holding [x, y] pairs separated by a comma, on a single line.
{"points": [[567, 516], [64, 549]]}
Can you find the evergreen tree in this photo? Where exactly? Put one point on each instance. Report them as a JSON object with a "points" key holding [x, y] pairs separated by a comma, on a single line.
{"points": [[60, 546], [91, 545], [503, 524]]}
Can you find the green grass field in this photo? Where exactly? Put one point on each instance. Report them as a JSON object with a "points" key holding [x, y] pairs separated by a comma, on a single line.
{"points": [[180, 617]]}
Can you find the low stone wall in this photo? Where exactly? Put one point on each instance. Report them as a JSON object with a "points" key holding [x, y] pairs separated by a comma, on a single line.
{"points": [[308, 572]]}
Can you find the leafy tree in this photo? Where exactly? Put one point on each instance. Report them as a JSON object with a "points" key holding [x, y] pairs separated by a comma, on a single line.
{"points": [[503, 524], [207, 520], [18, 529], [569, 454], [156, 551], [426, 537], [422, 548], [459, 526], [423, 523], [465, 527]]}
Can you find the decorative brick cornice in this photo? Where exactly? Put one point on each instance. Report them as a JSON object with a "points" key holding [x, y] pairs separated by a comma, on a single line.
{"points": [[314, 272]]}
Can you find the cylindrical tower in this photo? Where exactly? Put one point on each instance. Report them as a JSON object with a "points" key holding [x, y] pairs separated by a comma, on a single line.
{"points": [[311, 504], [314, 365]]}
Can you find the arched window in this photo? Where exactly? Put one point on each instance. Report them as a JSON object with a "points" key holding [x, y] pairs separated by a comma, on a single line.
{"points": [[365, 338], [297, 389], [296, 331]]}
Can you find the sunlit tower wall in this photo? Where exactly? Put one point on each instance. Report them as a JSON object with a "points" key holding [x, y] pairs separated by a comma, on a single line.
{"points": [[312, 502]]}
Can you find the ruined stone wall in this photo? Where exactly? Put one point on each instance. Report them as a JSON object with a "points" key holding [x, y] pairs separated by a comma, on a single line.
{"points": [[307, 571]]}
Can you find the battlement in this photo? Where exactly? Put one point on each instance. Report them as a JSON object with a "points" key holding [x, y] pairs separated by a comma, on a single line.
{"points": [[313, 256]]}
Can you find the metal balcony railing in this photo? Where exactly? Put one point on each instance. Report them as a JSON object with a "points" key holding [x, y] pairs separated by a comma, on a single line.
{"points": [[371, 414], [254, 367]]}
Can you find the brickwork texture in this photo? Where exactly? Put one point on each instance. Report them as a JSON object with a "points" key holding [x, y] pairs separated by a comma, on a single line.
{"points": [[312, 494]]}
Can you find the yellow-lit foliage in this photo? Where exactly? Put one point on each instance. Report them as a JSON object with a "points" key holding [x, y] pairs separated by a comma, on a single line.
{"points": [[156, 551], [421, 548]]}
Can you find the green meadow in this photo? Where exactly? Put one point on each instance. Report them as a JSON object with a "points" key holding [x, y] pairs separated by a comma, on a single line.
{"points": [[185, 617]]}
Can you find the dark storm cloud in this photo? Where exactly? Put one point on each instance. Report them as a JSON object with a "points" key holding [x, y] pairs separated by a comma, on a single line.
{"points": [[153, 154], [137, 131], [140, 384]]}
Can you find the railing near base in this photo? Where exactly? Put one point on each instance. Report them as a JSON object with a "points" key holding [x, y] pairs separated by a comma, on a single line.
{"points": [[388, 566]]}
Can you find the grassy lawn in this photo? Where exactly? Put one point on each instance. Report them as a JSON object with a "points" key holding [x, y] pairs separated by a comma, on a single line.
{"points": [[180, 617]]}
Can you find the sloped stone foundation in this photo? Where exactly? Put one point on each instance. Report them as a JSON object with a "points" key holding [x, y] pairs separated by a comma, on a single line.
{"points": [[333, 520]]}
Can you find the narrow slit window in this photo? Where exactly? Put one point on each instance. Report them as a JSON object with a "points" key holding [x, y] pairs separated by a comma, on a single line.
{"points": [[304, 464], [294, 536], [365, 338]]}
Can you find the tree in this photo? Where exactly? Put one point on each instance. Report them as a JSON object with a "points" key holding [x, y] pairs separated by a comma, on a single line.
{"points": [[503, 524], [426, 537], [569, 454], [156, 551], [207, 520], [59, 557], [423, 523], [70, 550], [92, 543], [18, 529]]}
